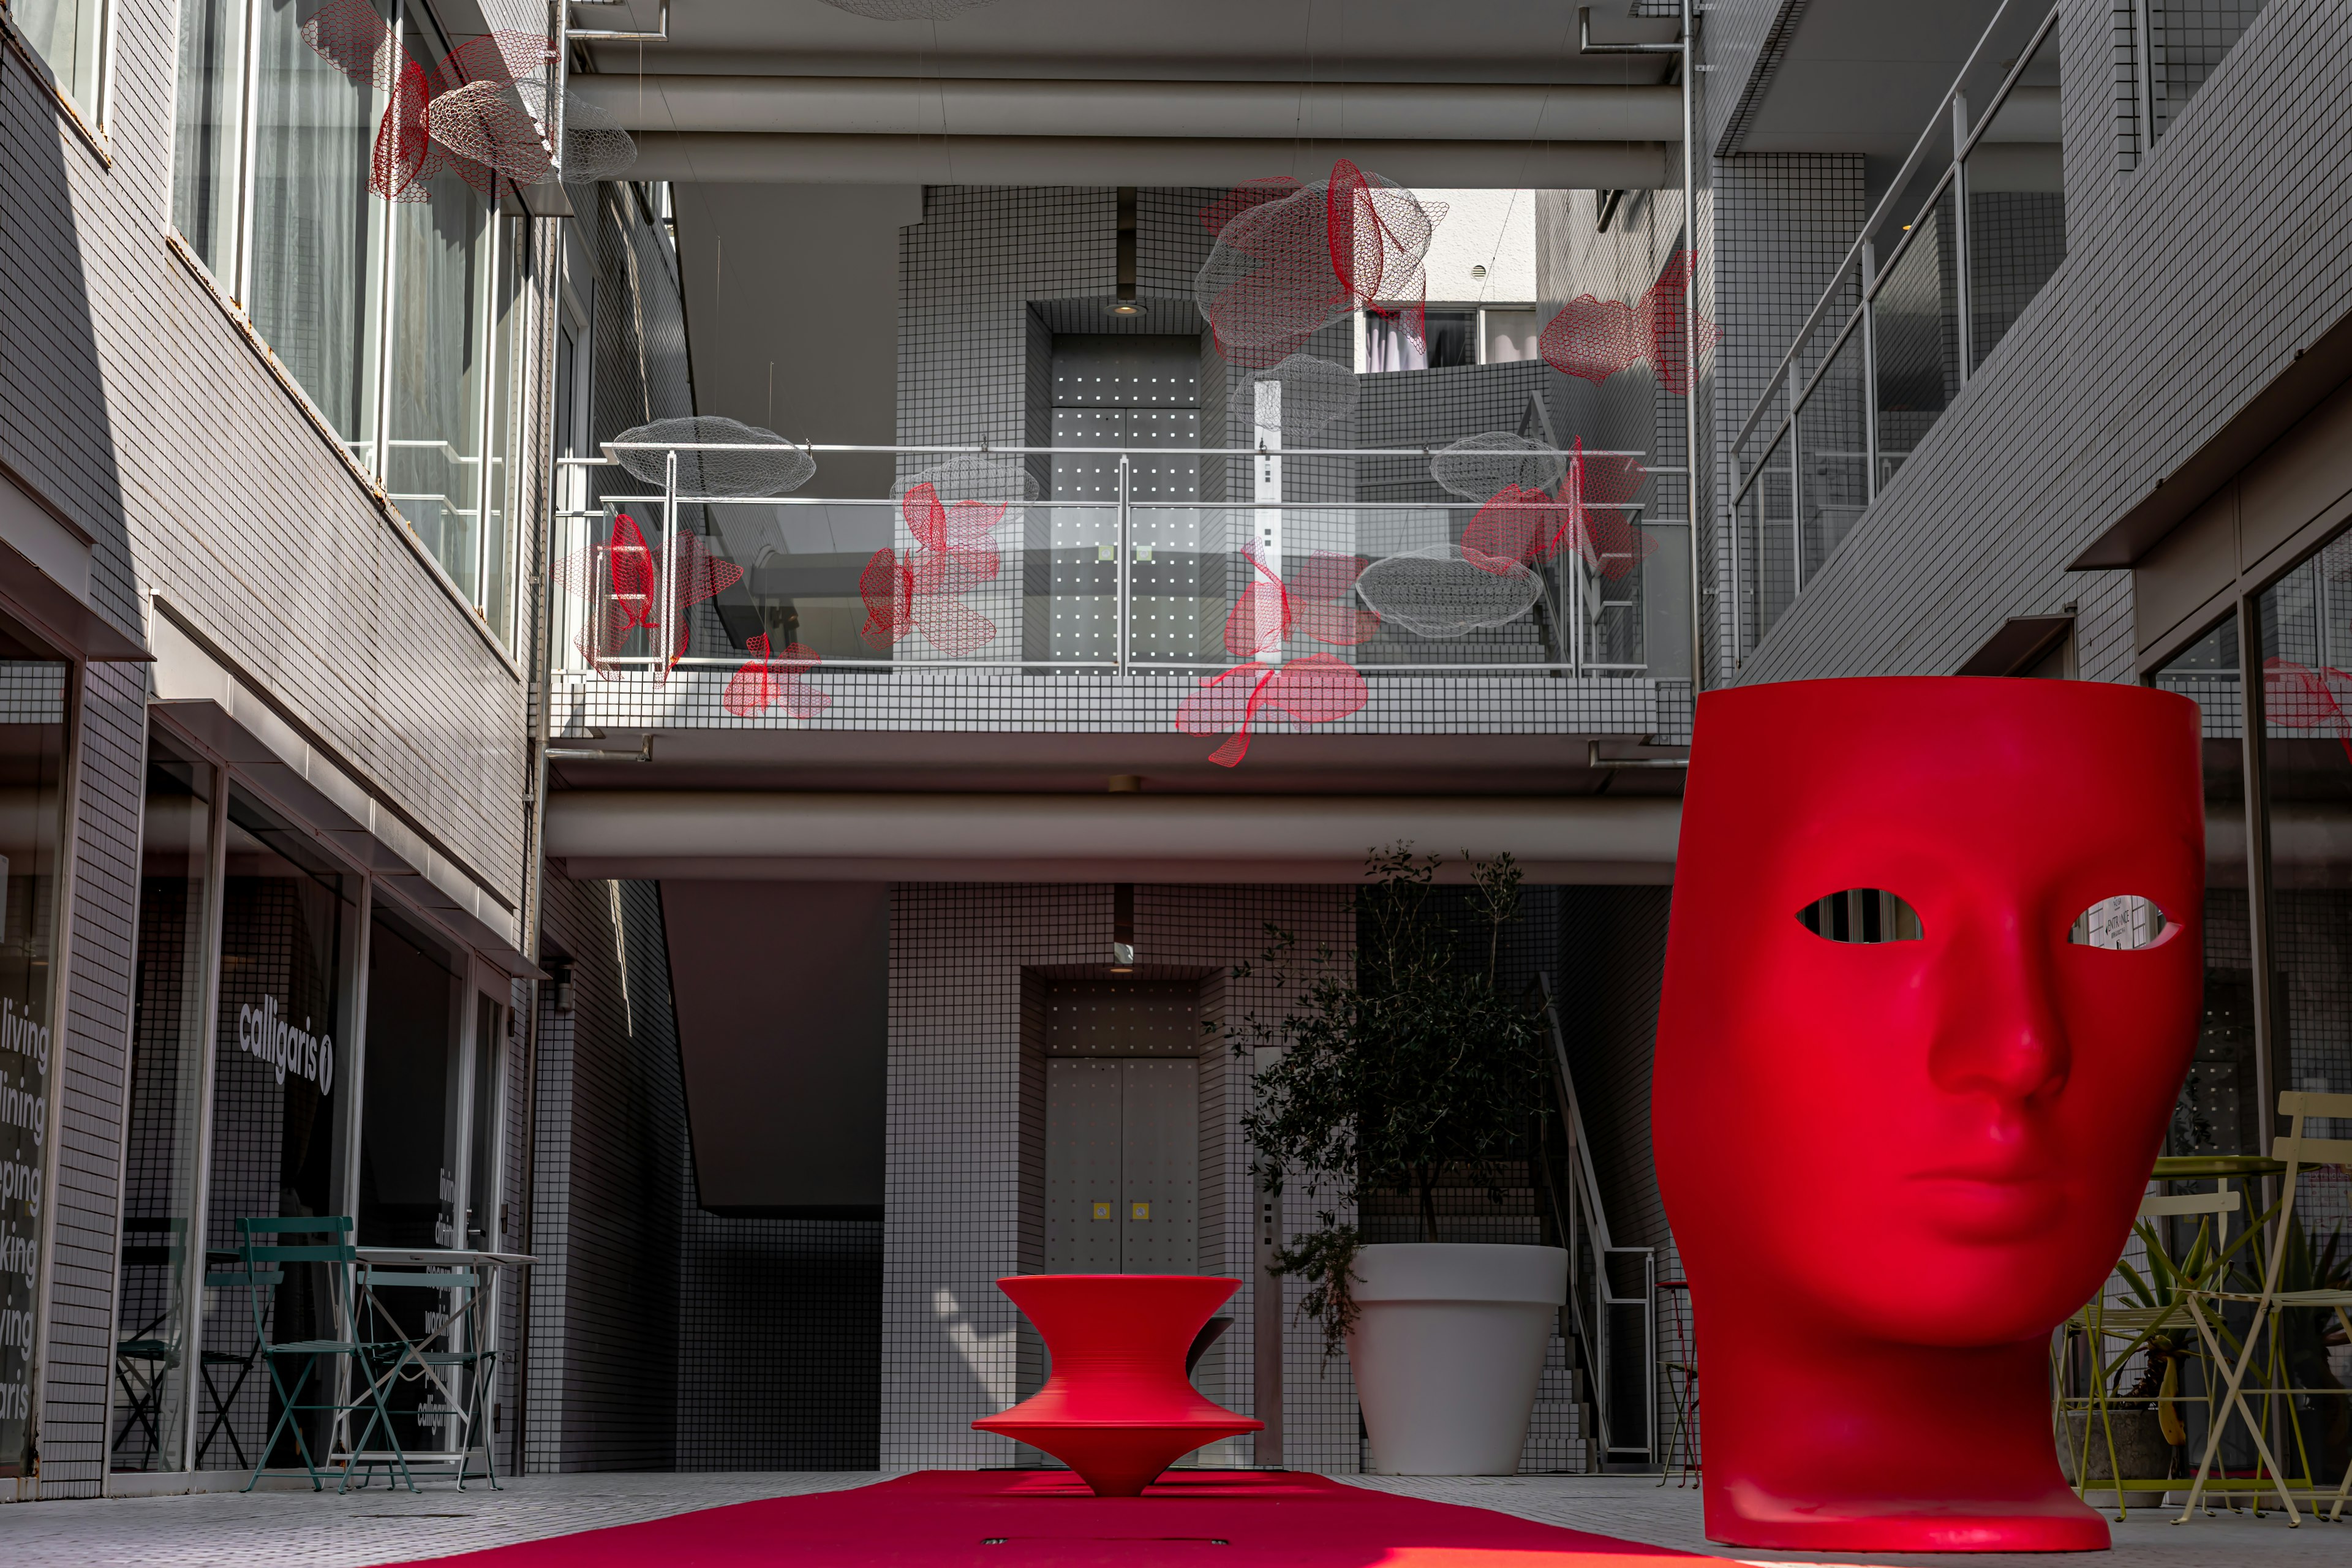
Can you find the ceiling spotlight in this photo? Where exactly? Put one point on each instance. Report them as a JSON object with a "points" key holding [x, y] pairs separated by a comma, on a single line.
{"points": [[1124, 307]]}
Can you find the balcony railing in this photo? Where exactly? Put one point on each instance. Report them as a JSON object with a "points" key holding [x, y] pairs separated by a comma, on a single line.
{"points": [[1974, 225], [1137, 585]]}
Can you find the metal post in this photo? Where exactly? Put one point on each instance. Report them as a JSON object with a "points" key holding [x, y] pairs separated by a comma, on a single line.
{"points": [[1732, 486], [1869, 373], [1126, 558], [1796, 502], [1690, 334], [1960, 230], [662, 585]]}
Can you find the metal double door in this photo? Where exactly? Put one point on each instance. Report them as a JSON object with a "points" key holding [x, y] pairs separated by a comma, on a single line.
{"points": [[1122, 1165]]}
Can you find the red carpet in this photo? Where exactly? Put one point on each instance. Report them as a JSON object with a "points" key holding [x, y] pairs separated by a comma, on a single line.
{"points": [[1004, 1519]]}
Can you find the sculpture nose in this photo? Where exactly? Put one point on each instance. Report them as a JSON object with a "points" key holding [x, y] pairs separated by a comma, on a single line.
{"points": [[2000, 1033]]}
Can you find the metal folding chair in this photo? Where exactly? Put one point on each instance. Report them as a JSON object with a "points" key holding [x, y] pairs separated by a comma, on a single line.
{"points": [[2297, 1149], [447, 1362], [349, 1358]]}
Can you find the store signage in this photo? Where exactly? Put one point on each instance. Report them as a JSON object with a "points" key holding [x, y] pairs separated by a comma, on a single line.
{"points": [[264, 1032]]}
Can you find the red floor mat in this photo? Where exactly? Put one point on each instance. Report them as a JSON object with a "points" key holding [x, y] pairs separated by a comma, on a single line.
{"points": [[999, 1518]]}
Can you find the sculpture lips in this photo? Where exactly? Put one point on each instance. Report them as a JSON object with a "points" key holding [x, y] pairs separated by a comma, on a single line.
{"points": [[1989, 1201]]}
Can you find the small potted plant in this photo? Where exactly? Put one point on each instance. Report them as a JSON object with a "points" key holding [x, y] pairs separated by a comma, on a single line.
{"points": [[1396, 1074]]}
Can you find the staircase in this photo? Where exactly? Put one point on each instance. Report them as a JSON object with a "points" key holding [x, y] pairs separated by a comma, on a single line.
{"points": [[1559, 1433]]}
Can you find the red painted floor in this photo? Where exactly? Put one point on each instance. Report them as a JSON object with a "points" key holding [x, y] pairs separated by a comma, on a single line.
{"points": [[998, 1519]]}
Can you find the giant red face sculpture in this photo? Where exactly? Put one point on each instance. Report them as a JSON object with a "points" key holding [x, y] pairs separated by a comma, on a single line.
{"points": [[1932, 985]]}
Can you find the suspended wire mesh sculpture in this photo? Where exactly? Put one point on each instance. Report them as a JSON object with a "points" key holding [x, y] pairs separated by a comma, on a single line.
{"points": [[1315, 688], [922, 588], [629, 590], [907, 10], [1291, 258], [1478, 468], [778, 681], [756, 462], [1438, 592], [973, 476], [1524, 526], [1595, 339], [494, 125], [596, 145], [1316, 393], [2302, 698]]}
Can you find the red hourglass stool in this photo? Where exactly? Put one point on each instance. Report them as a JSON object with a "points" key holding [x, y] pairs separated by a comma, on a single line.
{"points": [[1118, 1408]]}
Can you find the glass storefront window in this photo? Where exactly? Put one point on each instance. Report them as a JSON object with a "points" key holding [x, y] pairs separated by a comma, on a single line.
{"points": [[169, 1022], [68, 36], [33, 741], [2306, 622], [409, 1145], [482, 1224], [280, 1091], [2218, 1110]]}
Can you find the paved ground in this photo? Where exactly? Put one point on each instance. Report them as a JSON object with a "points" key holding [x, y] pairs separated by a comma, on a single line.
{"points": [[284, 1529]]}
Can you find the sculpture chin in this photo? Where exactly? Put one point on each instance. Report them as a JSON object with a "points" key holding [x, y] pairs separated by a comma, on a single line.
{"points": [[1744, 1514]]}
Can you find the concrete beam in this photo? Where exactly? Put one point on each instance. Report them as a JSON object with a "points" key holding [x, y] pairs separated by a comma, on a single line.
{"points": [[827, 160], [768, 836], [1126, 111]]}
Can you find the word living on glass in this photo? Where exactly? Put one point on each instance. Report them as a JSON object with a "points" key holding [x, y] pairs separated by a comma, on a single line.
{"points": [[264, 1032]]}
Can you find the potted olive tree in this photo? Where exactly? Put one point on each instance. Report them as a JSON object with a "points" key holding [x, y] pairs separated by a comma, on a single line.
{"points": [[1411, 1067]]}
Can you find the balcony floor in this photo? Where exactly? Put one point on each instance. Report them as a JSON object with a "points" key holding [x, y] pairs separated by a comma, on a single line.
{"points": [[281, 1529]]}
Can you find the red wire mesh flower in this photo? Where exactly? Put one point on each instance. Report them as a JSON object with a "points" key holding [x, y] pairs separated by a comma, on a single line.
{"points": [[351, 36], [1317, 688], [1524, 526], [1595, 339], [1313, 689], [922, 588], [1290, 258], [2302, 698], [409, 152], [766, 683], [631, 588]]}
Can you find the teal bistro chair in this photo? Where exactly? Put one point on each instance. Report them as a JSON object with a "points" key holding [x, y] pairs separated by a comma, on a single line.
{"points": [[337, 1375], [431, 1338]]}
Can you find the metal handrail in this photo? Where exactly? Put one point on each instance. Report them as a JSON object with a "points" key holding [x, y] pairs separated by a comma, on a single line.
{"points": [[1588, 1212], [1566, 582]]}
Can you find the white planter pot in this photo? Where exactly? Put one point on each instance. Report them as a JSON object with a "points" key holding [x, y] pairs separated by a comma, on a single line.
{"points": [[1448, 1349]]}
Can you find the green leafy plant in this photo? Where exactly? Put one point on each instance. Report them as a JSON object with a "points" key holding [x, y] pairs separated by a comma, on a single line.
{"points": [[1398, 1069]]}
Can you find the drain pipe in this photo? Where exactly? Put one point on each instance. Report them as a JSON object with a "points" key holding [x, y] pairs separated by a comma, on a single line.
{"points": [[1687, 48]]}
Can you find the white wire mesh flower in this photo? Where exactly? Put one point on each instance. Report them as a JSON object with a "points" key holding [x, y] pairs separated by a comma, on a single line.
{"points": [[1479, 468], [1437, 592], [595, 147], [973, 476], [1315, 393], [498, 126], [771, 466]]}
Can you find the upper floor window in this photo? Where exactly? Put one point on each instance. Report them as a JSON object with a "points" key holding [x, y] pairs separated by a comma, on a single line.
{"points": [[2180, 42], [398, 318], [70, 36]]}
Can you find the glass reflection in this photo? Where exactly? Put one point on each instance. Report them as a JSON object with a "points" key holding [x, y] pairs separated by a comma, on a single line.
{"points": [[168, 1026]]}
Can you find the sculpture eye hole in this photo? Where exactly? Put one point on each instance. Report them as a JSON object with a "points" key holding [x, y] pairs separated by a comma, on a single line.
{"points": [[1862, 914], [2126, 922]]}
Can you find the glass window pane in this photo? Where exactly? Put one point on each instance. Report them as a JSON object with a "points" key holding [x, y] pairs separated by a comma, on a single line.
{"points": [[33, 696], [68, 35], [408, 1143], [2017, 203], [209, 105], [2306, 619], [2217, 1112], [278, 1128], [168, 1027], [1832, 453], [482, 1145], [502, 492], [1767, 544], [1916, 328], [440, 270], [316, 247]]}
